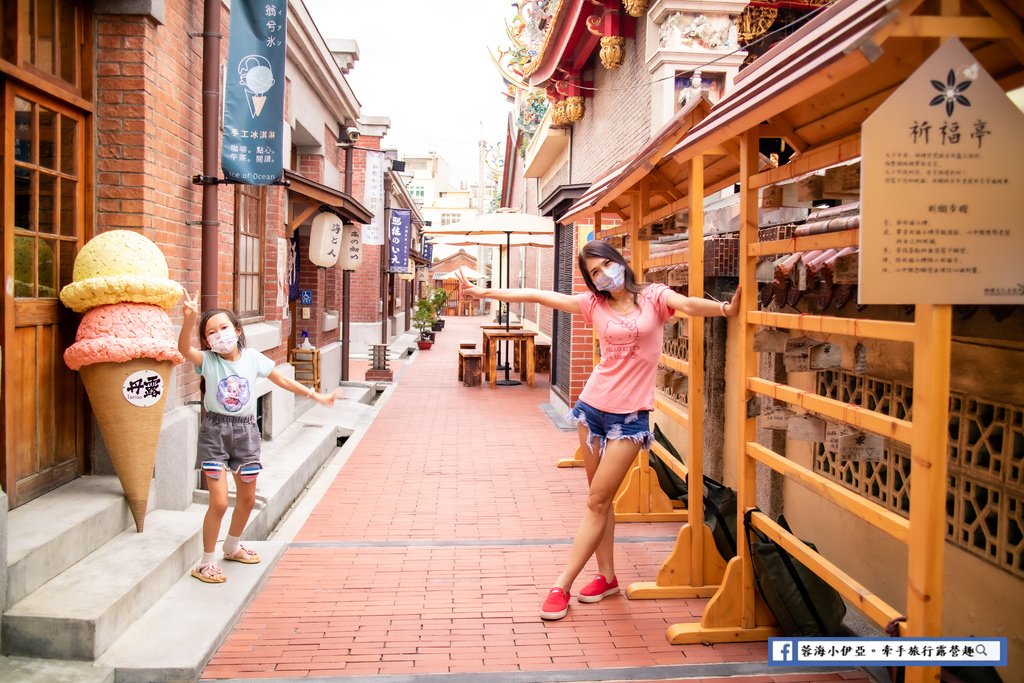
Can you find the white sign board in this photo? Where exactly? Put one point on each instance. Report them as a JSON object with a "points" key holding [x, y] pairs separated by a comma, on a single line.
{"points": [[373, 199], [943, 189], [143, 388]]}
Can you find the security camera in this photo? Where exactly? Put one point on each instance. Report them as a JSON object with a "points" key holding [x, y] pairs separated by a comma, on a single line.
{"points": [[352, 134]]}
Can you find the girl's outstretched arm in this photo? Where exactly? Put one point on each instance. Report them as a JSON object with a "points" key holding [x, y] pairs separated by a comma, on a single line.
{"points": [[301, 389], [704, 308], [562, 302]]}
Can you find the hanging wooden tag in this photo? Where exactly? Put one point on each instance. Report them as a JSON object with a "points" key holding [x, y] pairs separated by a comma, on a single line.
{"points": [[806, 428], [801, 275], [825, 356], [860, 358], [845, 271], [797, 356], [775, 418], [835, 430], [861, 446], [770, 341]]}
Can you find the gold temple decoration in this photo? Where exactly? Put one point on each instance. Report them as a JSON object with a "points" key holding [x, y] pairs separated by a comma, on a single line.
{"points": [[573, 108], [612, 51], [558, 115], [754, 22], [635, 8]]}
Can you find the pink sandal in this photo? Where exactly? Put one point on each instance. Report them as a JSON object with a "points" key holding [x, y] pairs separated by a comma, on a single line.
{"points": [[244, 555], [209, 572]]}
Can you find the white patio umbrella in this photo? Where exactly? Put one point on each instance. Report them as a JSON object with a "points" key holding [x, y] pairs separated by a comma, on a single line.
{"points": [[470, 273], [526, 228]]}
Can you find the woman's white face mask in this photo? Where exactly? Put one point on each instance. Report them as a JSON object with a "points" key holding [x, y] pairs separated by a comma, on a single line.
{"points": [[611, 279], [223, 342]]}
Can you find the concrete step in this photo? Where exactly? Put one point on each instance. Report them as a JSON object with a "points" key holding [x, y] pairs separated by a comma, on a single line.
{"points": [[176, 637], [54, 531], [27, 670], [81, 612]]}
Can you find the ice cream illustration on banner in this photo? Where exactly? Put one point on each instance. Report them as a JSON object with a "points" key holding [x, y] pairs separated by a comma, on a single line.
{"points": [[124, 350], [257, 77]]}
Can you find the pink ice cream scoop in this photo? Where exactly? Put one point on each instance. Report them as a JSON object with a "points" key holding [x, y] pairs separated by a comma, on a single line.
{"points": [[117, 333]]}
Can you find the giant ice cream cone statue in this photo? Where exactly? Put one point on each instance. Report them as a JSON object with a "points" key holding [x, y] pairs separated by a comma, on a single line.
{"points": [[124, 349]]}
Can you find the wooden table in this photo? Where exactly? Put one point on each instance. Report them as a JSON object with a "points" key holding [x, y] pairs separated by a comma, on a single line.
{"points": [[483, 341], [493, 337]]}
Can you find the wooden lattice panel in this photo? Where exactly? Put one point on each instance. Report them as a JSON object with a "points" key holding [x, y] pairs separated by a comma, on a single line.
{"points": [[985, 497]]}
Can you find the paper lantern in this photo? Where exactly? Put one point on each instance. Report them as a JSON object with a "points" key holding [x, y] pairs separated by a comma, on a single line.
{"points": [[325, 239], [351, 246]]}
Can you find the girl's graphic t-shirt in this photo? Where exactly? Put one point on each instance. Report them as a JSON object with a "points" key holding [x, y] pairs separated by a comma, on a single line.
{"points": [[230, 384], [623, 382]]}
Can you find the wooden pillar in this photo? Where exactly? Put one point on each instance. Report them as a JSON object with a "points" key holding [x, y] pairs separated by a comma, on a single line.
{"points": [[929, 451], [695, 330]]}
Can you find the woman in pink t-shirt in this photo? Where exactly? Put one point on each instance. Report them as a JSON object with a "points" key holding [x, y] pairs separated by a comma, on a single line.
{"points": [[613, 410]]}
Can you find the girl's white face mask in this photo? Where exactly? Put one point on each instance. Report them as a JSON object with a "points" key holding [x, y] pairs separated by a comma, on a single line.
{"points": [[223, 342], [612, 279]]}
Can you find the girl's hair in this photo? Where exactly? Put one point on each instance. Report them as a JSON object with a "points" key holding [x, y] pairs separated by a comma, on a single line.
{"points": [[232, 318], [602, 250]]}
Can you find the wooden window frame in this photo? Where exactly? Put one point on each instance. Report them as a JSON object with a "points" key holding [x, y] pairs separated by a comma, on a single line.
{"points": [[250, 224]]}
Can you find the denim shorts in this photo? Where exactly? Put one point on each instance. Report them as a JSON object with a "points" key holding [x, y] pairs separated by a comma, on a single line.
{"points": [[635, 426], [229, 442]]}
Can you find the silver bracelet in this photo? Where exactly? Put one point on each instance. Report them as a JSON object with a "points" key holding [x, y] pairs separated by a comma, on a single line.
{"points": [[724, 314], [311, 392]]}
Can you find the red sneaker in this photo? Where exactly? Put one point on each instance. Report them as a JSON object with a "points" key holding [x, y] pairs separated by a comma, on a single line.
{"points": [[598, 589], [556, 605]]}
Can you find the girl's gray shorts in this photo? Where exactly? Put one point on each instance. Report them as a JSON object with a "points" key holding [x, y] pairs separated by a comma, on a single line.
{"points": [[229, 442]]}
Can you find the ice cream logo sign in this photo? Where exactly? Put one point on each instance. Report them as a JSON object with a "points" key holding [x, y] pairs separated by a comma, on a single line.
{"points": [[143, 388], [253, 94]]}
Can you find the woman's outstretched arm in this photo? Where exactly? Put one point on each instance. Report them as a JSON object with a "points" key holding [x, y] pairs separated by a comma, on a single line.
{"points": [[704, 308], [562, 302]]}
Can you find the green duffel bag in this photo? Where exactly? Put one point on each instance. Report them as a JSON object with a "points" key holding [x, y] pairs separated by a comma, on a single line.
{"points": [[802, 602]]}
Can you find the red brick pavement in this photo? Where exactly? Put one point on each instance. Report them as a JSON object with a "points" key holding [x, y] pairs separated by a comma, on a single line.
{"points": [[434, 546]]}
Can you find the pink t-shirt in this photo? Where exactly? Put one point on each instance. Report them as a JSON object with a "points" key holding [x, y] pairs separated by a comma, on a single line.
{"points": [[623, 382]]}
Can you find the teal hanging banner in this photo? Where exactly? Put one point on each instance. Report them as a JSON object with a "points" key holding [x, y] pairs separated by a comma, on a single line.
{"points": [[254, 93]]}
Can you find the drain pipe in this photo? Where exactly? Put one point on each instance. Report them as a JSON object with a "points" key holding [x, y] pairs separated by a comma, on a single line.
{"points": [[211, 108], [346, 282]]}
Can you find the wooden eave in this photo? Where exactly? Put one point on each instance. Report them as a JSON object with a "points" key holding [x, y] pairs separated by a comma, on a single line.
{"points": [[302, 190], [568, 28], [817, 87]]}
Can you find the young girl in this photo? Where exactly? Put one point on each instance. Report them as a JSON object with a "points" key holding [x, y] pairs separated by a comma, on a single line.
{"points": [[228, 437], [613, 410]]}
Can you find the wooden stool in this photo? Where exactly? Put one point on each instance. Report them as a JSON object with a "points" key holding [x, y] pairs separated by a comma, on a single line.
{"points": [[471, 364], [542, 357]]}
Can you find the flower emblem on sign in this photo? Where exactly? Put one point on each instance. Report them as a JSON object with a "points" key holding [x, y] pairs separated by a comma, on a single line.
{"points": [[950, 93]]}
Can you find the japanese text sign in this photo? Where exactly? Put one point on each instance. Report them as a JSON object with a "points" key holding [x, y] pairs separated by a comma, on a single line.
{"points": [[399, 229]]}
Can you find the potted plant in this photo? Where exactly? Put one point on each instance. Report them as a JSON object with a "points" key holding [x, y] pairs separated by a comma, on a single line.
{"points": [[438, 298], [423, 320]]}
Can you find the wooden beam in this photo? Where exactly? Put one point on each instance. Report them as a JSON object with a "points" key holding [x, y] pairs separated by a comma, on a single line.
{"points": [[665, 182], [780, 126], [826, 324], [1009, 21], [677, 364], [862, 418], [851, 501], [829, 154], [302, 216], [827, 240], [941, 27], [695, 332], [873, 606]]}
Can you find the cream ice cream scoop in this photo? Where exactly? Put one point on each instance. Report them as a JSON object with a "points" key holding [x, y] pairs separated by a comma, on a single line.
{"points": [[117, 333], [120, 266]]}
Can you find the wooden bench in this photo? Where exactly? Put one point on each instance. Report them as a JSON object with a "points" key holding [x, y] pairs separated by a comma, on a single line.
{"points": [[471, 365], [466, 344]]}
